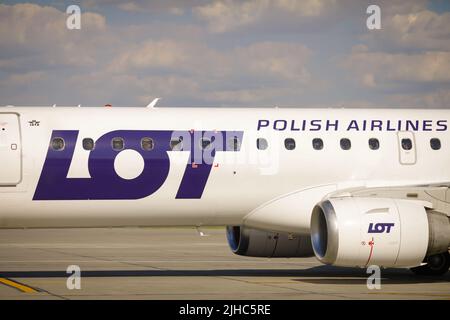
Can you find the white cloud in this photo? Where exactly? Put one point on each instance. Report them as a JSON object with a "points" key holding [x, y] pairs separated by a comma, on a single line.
{"points": [[148, 55], [22, 79], [263, 96], [393, 7], [32, 36], [435, 99], [271, 59], [383, 68], [419, 30], [266, 59], [174, 7], [227, 15], [182, 71], [231, 15]]}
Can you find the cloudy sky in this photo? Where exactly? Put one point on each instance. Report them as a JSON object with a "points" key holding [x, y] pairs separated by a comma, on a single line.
{"points": [[226, 53]]}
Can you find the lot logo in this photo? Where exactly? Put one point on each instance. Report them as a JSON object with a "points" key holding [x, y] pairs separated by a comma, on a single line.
{"points": [[380, 227], [104, 182]]}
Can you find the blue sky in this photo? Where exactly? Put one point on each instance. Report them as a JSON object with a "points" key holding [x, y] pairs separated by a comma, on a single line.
{"points": [[310, 53]]}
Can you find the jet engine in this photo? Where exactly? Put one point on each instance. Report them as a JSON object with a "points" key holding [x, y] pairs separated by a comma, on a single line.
{"points": [[259, 243], [352, 231]]}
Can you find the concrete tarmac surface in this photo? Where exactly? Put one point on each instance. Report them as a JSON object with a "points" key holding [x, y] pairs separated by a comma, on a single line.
{"points": [[176, 263]]}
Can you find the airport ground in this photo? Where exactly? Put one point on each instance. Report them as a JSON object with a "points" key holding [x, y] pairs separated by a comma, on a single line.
{"points": [[176, 263]]}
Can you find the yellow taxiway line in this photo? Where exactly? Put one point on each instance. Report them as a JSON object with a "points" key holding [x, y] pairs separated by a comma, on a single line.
{"points": [[18, 286]]}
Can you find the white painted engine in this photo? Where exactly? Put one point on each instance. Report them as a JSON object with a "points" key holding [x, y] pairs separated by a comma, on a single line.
{"points": [[352, 231]]}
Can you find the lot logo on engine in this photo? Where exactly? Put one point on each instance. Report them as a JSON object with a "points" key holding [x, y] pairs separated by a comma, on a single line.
{"points": [[380, 227]]}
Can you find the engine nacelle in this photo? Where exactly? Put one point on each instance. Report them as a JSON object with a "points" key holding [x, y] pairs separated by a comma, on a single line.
{"points": [[258, 243], [376, 231]]}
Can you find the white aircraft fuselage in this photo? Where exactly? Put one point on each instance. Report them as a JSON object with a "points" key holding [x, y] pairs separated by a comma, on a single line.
{"points": [[266, 168], [237, 183]]}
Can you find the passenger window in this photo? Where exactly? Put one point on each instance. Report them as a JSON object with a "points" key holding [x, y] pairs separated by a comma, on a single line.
{"points": [[406, 144], [88, 144], [317, 144], [289, 143], [205, 143], [374, 144], [147, 144], [435, 144], [261, 144], [233, 144], [58, 144], [346, 144], [118, 144], [176, 144]]}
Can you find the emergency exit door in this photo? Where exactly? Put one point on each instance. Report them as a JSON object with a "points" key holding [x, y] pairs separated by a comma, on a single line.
{"points": [[10, 150]]}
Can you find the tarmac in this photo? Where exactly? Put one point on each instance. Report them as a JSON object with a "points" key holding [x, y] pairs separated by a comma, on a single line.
{"points": [[178, 263]]}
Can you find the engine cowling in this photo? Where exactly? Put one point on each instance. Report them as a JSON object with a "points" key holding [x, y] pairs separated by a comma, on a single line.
{"points": [[373, 231], [259, 243]]}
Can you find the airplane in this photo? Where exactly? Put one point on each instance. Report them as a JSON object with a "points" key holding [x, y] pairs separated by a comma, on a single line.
{"points": [[353, 187]]}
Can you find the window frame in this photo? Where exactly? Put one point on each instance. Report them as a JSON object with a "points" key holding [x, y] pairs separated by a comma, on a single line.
{"points": [[377, 141], [83, 145], [123, 144], [150, 140], [175, 147], [320, 141], [209, 144], [63, 144], [403, 141], [438, 141], [286, 140], [233, 139], [342, 145], [258, 144]]}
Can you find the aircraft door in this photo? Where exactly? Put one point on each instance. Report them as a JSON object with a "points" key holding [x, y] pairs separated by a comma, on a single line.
{"points": [[407, 147], [10, 150]]}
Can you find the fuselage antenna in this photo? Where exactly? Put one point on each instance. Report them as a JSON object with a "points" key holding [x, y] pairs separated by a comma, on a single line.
{"points": [[153, 103]]}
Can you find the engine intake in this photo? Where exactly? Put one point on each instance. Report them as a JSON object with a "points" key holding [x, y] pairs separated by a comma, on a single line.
{"points": [[385, 232]]}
